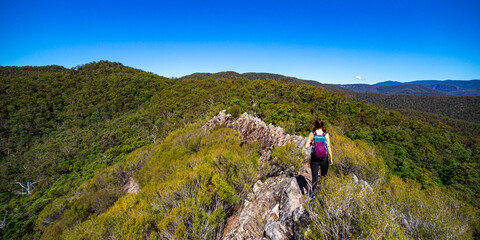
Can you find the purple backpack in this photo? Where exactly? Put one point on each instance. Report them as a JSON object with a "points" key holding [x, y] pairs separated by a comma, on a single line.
{"points": [[319, 145]]}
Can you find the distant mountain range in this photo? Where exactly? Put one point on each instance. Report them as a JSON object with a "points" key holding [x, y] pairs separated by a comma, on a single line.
{"points": [[423, 87], [409, 89]]}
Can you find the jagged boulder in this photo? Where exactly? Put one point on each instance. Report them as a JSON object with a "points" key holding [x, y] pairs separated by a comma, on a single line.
{"points": [[131, 186], [362, 183], [253, 129], [267, 211]]}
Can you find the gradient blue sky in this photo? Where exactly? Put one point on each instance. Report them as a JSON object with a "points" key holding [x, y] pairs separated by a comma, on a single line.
{"points": [[328, 41]]}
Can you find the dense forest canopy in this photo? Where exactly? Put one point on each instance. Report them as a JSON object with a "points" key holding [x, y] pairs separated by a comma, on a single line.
{"points": [[29, 70], [459, 112], [458, 107], [61, 128]]}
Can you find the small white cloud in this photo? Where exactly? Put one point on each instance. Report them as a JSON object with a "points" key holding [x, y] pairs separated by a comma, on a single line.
{"points": [[359, 78]]}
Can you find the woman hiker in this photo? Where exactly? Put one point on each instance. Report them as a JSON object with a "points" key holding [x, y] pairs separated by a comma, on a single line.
{"points": [[321, 148]]}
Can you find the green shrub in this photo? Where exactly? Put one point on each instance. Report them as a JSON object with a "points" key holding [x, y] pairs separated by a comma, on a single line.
{"points": [[237, 107], [288, 157], [357, 157]]}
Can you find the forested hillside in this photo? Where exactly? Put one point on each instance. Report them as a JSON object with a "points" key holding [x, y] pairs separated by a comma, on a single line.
{"points": [[29, 71], [71, 139], [266, 76], [461, 127], [465, 108]]}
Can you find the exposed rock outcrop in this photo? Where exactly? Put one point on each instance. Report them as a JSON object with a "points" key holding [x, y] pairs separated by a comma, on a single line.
{"points": [[362, 183], [131, 186], [274, 207], [254, 129], [267, 211]]}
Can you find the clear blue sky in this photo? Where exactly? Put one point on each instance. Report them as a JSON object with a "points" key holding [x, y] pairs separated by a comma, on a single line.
{"points": [[331, 41]]}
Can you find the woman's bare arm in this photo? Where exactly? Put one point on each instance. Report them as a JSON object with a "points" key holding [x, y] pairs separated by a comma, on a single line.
{"points": [[309, 141], [329, 148]]}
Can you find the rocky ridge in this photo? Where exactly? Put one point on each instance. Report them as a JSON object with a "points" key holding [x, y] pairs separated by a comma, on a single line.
{"points": [[273, 210], [253, 129]]}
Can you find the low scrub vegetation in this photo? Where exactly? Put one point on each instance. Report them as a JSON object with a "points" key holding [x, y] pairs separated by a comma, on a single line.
{"points": [[288, 157], [189, 185], [395, 209]]}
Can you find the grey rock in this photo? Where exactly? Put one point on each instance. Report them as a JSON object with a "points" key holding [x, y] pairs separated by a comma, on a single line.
{"points": [[273, 215], [257, 185], [274, 202], [277, 231], [131, 186], [298, 214], [355, 178], [365, 185]]}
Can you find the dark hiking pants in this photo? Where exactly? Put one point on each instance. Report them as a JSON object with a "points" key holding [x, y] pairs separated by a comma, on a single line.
{"points": [[315, 165]]}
